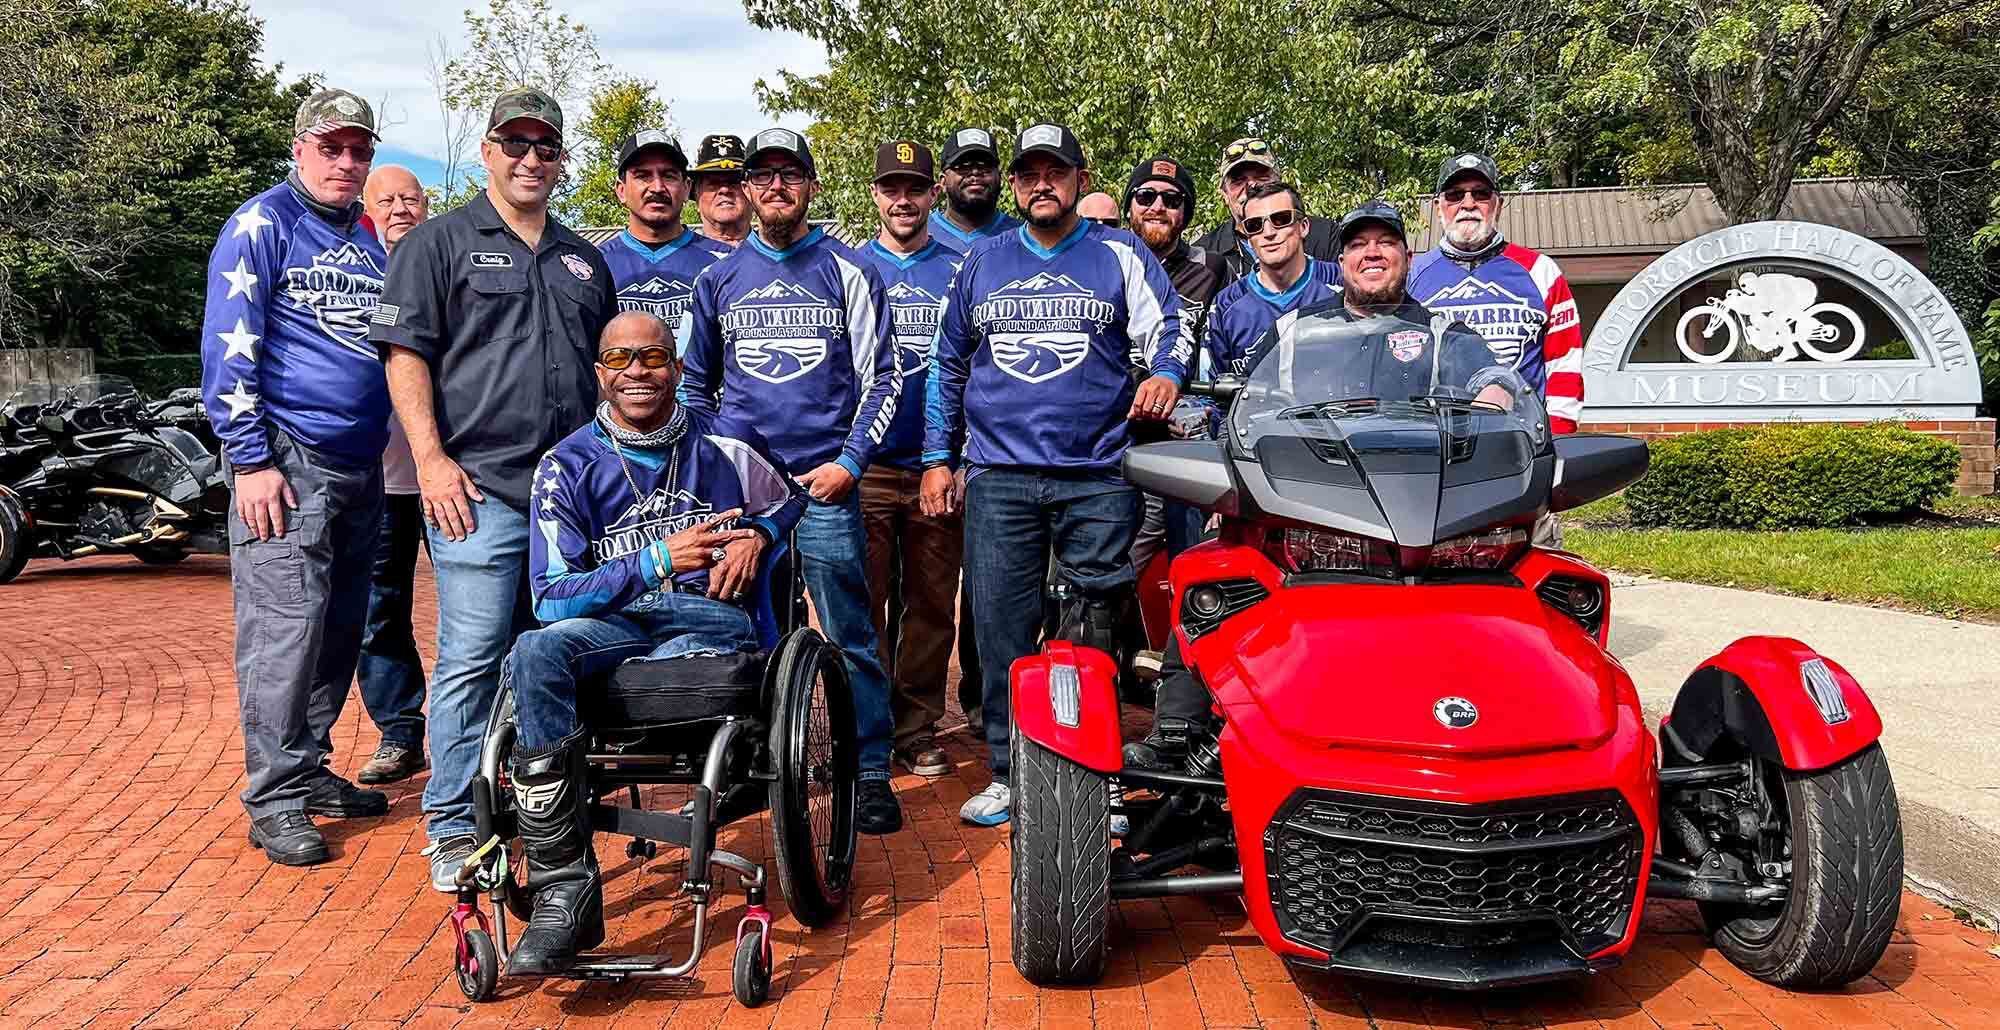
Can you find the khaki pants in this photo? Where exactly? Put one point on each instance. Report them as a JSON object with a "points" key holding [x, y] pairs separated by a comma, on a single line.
{"points": [[913, 563]]}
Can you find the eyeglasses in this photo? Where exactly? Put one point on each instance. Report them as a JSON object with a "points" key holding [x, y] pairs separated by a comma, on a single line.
{"points": [[1105, 220], [790, 175], [517, 147], [1249, 146], [1479, 194], [618, 358], [1276, 220], [363, 152], [1149, 196]]}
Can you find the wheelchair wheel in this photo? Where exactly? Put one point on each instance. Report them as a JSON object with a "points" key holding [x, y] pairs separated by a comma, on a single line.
{"points": [[812, 798], [479, 970], [750, 977]]}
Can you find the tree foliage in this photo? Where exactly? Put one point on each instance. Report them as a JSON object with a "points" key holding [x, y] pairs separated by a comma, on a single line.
{"points": [[618, 109]]}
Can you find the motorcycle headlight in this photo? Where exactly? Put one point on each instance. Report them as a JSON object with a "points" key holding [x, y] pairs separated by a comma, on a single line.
{"points": [[1492, 549], [1319, 550]]}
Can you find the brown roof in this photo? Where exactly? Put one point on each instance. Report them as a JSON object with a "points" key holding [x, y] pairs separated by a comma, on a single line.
{"points": [[1612, 220]]}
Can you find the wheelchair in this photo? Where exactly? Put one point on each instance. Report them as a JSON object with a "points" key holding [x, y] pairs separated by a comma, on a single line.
{"points": [[771, 729]]}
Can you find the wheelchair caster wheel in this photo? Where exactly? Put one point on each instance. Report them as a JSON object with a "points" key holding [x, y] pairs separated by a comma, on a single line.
{"points": [[751, 981], [478, 966], [645, 849]]}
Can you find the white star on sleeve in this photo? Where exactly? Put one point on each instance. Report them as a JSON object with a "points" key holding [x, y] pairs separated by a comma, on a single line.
{"points": [[548, 504], [242, 281], [251, 221], [241, 401], [240, 341]]}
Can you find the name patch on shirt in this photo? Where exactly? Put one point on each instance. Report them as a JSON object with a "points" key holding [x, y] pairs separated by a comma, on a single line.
{"points": [[488, 259]]}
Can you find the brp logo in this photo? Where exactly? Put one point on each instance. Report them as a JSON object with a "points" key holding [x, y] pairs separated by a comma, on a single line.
{"points": [[1455, 713]]}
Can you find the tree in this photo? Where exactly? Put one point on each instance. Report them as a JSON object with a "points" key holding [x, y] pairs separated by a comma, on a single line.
{"points": [[618, 109]]}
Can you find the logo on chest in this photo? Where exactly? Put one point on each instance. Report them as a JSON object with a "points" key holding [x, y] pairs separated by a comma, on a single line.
{"points": [[1041, 327], [1496, 313], [342, 288], [665, 299], [914, 311], [662, 514], [780, 331]]}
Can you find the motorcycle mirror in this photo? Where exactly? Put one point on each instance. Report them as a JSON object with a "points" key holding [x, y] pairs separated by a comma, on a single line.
{"points": [[1594, 465]]}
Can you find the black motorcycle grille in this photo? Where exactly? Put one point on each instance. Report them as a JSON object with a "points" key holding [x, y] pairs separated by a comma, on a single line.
{"points": [[1333, 858]]}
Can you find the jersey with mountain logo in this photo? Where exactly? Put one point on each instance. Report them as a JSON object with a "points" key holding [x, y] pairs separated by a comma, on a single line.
{"points": [[798, 343], [597, 548], [1518, 300], [960, 241], [916, 287], [1245, 311], [1032, 362], [659, 281]]}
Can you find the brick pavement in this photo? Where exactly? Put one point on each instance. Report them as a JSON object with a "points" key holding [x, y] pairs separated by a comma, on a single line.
{"points": [[129, 896]]}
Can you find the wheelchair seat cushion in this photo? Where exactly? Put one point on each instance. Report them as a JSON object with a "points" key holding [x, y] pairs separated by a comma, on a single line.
{"points": [[666, 691]]}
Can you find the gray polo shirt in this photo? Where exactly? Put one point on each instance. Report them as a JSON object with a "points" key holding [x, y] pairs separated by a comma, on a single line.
{"points": [[510, 335]]}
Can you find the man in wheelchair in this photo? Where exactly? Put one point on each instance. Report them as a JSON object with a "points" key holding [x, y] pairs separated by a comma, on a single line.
{"points": [[649, 526]]}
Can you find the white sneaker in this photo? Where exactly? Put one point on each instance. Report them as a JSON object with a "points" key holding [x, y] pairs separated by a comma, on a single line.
{"points": [[988, 807]]}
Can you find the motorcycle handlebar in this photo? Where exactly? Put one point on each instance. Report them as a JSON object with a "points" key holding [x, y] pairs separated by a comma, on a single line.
{"points": [[1224, 388]]}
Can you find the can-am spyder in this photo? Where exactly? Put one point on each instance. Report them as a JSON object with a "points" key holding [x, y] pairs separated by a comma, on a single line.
{"points": [[1423, 763]]}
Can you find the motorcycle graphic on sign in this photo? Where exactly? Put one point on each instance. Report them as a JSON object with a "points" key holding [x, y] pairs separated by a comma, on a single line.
{"points": [[1777, 315]]}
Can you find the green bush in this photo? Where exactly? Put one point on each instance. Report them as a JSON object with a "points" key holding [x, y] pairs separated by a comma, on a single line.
{"points": [[156, 375], [1791, 474]]}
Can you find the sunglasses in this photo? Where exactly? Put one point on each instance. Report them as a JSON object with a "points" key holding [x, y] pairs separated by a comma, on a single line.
{"points": [[618, 358], [978, 166], [1149, 196], [517, 147], [1106, 221], [1276, 220], [1480, 194], [1256, 146], [363, 152], [790, 175]]}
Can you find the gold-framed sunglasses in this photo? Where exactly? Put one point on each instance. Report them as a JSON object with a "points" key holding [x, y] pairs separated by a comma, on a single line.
{"points": [[620, 358], [1247, 148]]}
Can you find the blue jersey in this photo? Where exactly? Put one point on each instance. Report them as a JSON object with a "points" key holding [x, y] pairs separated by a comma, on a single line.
{"points": [[284, 335], [958, 241], [1032, 362], [598, 548], [1245, 310], [916, 287], [659, 281], [796, 343]]}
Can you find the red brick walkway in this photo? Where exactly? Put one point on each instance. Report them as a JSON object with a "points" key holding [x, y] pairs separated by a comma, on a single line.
{"points": [[129, 896]]}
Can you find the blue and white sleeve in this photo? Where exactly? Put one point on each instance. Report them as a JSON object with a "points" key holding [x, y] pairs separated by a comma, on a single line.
{"points": [[699, 341], [243, 271], [1153, 312], [951, 364], [871, 332], [562, 577]]}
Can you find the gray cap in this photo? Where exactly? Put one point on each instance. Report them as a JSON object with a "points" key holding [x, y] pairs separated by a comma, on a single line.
{"points": [[1477, 164], [781, 141], [526, 102], [330, 110]]}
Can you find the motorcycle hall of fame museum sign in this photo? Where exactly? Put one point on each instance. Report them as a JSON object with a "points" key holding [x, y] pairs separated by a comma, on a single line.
{"points": [[1785, 321]]}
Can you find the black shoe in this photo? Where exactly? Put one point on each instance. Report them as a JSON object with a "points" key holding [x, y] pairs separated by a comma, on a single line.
{"points": [[877, 811], [1164, 750], [562, 870], [338, 799], [289, 838], [393, 762]]}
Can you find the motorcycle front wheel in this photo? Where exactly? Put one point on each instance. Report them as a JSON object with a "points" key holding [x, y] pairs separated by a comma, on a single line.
{"points": [[17, 541], [1717, 317]]}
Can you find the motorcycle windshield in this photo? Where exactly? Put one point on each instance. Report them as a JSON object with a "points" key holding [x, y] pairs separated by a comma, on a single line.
{"points": [[99, 387], [1389, 427]]}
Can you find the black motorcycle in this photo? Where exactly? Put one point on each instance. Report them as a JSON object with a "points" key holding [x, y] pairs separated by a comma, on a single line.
{"points": [[95, 469]]}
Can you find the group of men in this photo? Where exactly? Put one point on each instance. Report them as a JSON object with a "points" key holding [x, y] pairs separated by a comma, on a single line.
{"points": [[598, 444]]}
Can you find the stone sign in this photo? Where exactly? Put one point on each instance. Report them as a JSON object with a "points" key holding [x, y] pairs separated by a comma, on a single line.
{"points": [[1769, 311]]}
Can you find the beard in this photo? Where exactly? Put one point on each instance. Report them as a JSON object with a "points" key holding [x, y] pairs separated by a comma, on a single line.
{"points": [[1159, 236], [904, 237], [783, 227], [1469, 235], [1387, 296], [1049, 221], [973, 212]]}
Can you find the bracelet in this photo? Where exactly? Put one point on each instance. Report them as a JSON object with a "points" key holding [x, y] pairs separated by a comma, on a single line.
{"points": [[663, 566]]}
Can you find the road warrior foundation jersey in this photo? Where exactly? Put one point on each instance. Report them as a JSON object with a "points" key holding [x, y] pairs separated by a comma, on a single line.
{"points": [[1520, 303], [1245, 310], [916, 287], [659, 280], [595, 544], [957, 240], [1032, 359], [797, 343]]}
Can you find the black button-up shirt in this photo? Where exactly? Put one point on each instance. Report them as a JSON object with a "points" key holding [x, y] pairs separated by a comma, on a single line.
{"points": [[510, 335]]}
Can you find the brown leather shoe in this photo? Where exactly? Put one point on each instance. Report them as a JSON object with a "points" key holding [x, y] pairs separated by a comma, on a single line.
{"points": [[393, 762], [925, 759]]}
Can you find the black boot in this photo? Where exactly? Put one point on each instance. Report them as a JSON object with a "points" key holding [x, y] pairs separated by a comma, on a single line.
{"points": [[1165, 749], [563, 877]]}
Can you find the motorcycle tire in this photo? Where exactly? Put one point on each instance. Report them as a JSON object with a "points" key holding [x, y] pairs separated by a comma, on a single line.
{"points": [[167, 554], [1061, 832], [17, 542], [1847, 882]]}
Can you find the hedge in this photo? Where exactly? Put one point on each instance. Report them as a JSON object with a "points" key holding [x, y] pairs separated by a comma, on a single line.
{"points": [[1791, 475], [156, 375]]}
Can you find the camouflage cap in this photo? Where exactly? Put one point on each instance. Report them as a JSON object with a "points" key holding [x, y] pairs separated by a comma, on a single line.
{"points": [[526, 102], [332, 109]]}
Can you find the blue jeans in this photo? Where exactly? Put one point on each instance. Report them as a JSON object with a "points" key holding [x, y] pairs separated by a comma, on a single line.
{"points": [[547, 664], [1013, 517], [834, 550], [482, 594], [392, 674]]}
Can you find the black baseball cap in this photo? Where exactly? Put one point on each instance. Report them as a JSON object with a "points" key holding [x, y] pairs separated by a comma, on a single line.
{"points": [[781, 141], [1162, 169], [719, 152], [1047, 138], [1374, 212], [1460, 164], [970, 143], [903, 157], [650, 139]]}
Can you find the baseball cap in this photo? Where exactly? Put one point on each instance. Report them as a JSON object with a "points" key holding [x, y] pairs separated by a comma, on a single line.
{"points": [[1477, 164], [526, 102], [970, 143], [781, 141], [332, 109], [650, 139], [1162, 169], [1250, 150], [1372, 212], [902, 157], [1047, 138], [720, 152]]}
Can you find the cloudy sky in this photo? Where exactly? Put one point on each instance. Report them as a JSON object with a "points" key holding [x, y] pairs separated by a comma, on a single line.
{"points": [[703, 57]]}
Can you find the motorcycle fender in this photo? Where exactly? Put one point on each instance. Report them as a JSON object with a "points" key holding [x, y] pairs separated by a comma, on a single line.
{"points": [[1789, 703], [1066, 700]]}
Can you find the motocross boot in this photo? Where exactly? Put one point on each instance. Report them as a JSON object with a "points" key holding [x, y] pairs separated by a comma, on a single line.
{"points": [[563, 878], [1163, 750]]}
